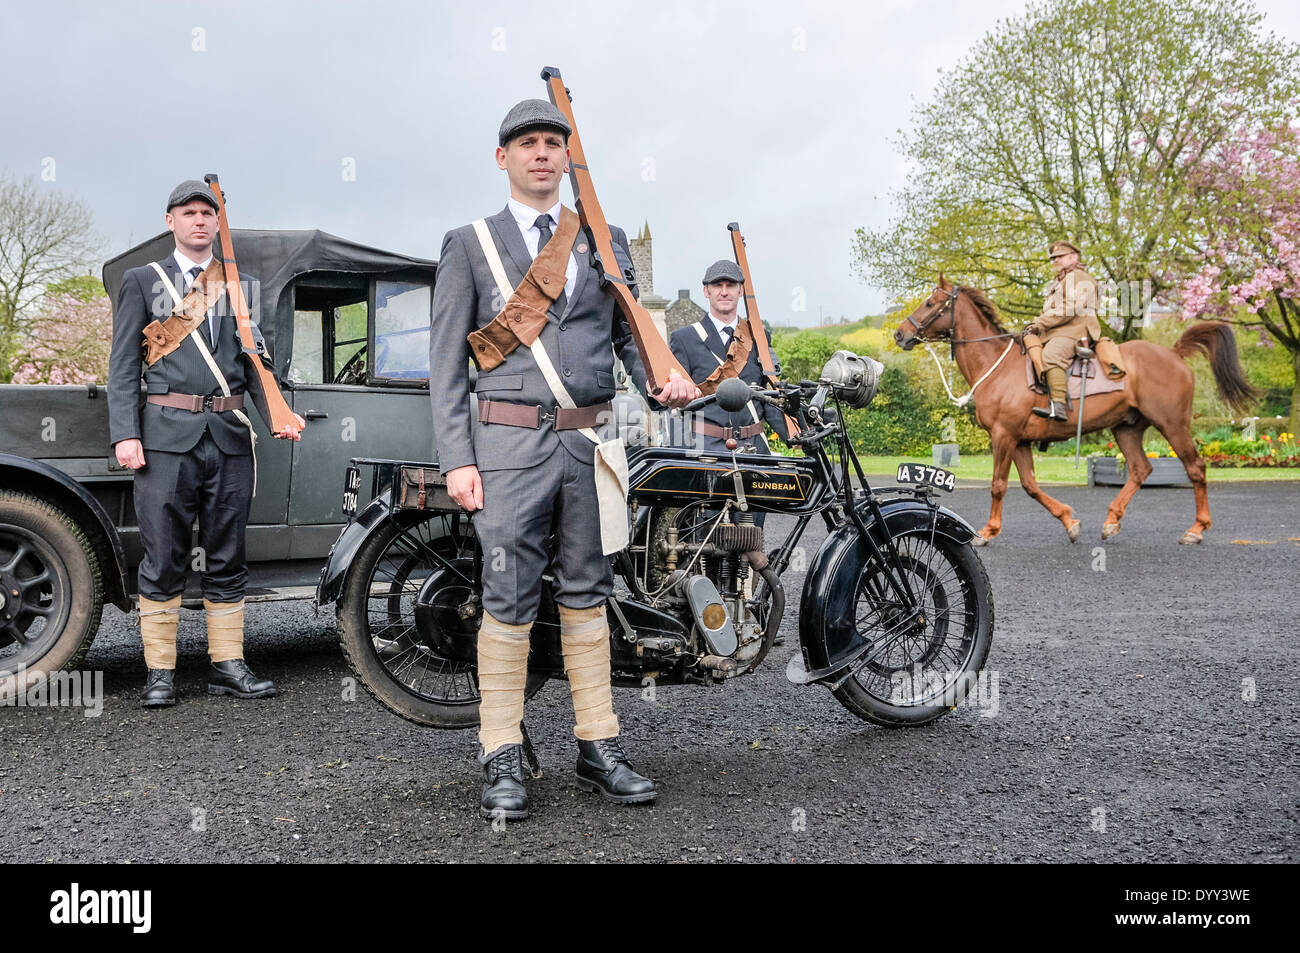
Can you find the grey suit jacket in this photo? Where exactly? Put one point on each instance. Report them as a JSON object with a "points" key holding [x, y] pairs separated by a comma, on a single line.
{"points": [[141, 299], [582, 335], [700, 359]]}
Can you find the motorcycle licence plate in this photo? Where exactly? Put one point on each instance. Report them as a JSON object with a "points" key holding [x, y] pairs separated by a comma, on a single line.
{"points": [[351, 490], [926, 476]]}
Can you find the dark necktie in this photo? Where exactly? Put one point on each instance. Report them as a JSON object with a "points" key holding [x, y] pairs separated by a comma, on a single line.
{"points": [[543, 224], [726, 337], [206, 325]]}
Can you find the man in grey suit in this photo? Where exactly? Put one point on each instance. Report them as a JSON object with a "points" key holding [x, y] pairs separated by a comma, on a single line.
{"points": [[191, 448], [702, 348], [524, 466]]}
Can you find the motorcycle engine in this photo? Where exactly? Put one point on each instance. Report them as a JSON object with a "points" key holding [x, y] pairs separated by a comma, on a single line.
{"points": [[682, 556]]}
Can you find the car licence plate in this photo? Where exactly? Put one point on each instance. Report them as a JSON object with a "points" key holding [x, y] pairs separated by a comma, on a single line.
{"points": [[351, 491], [925, 475]]}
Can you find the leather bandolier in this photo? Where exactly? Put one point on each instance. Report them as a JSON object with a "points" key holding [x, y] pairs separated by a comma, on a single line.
{"points": [[737, 357], [163, 337], [524, 315]]}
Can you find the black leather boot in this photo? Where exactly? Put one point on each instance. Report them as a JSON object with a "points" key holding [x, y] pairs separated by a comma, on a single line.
{"points": [[504, 792], [236, 678], [1053, 411], [603, 767], [159, 689]]}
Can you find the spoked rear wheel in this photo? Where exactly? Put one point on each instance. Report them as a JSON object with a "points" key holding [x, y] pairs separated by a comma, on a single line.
{"points": [[921, 666], [396, 662]]}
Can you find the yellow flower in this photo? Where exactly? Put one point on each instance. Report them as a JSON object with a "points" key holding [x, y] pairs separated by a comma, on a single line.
{"points": [[1152, 454]]}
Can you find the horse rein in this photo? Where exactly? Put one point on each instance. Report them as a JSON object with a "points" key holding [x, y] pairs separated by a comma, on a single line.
{"points": [[953, 341]]}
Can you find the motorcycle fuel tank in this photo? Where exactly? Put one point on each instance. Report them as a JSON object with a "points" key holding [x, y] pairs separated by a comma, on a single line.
{"points": [[673, 476]]}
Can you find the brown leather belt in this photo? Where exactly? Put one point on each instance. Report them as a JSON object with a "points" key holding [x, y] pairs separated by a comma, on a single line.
{"points": [[533, 417], [198, 403], [724, 433]]}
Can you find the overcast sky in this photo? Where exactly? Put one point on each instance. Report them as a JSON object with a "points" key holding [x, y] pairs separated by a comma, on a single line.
{"points": [[777, 115]]}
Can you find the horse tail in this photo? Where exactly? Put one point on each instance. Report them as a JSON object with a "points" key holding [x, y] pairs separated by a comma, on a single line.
{"points": [[1216, 340]]}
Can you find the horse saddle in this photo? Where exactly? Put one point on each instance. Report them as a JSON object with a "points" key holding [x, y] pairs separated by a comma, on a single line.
{"points": [[1098, 383]]}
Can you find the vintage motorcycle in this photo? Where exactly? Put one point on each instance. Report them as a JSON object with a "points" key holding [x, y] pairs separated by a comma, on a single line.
{"points": [[895, 617]]}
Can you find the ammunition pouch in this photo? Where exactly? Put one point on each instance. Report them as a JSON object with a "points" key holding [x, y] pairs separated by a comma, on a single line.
{"points": [[737, 357], [522, 319], [163, 337]]}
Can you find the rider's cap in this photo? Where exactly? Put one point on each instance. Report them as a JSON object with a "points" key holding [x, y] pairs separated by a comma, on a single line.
{"points": [[189, 190], [723, 270], [1062, 247], [529, 115]]}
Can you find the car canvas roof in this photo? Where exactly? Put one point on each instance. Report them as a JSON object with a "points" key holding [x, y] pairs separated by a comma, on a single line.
{"points": [[276, 258]]}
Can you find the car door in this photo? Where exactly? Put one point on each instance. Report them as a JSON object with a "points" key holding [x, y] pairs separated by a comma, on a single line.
{"points": [[364, 393]]}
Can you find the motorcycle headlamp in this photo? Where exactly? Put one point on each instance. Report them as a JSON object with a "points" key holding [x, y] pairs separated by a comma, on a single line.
{"points": [[852, 378]]}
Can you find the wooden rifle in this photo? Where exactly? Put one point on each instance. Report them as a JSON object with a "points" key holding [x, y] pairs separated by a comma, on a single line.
{"points": [[281, 415], [659, 361], [770, 378]]}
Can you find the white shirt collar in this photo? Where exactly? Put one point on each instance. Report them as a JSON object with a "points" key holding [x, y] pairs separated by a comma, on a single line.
{"points": [[719, 325], [186, 264], [526, 215]]}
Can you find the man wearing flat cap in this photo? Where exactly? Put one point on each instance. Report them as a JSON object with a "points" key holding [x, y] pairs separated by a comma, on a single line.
{"points": [[708, 344], [189, 441], [520, 461], [1069, 314]]}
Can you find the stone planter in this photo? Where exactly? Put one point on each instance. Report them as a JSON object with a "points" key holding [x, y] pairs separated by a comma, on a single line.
{"points": [[1165, 471]]}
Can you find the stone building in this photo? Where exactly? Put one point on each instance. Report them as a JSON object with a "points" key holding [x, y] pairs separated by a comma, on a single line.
{"points": [[682, 312], [668, 317], [643, 262]]}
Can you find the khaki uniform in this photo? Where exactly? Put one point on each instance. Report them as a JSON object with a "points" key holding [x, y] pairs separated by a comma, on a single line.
{"points": [[1069, 313]]}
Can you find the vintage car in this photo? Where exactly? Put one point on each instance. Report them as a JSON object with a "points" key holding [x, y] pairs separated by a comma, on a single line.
{"points": [[348, 329]]}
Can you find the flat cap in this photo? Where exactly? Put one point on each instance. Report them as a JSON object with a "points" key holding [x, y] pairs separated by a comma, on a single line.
{"points": [[1061, 247], [532, 114], [723, 270], [189, 190]]}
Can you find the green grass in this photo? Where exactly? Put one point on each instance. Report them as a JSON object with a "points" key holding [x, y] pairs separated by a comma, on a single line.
{"points": [[1061, 470]]}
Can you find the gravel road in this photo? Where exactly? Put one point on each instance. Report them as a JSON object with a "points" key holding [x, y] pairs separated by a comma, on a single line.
{"points": [[1137, 707]]}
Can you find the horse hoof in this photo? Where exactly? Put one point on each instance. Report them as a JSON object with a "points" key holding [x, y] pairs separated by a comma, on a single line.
{"points": [[1109, 530], [978, 540], [1189, 537], [1074, 530]]}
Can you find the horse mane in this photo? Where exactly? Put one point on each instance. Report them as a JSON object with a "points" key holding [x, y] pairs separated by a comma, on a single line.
{"points": [[986, 308]]}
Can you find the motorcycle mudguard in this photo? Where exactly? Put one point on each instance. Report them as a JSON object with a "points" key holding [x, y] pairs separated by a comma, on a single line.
{"points": [[828, 634], [345, 547]]}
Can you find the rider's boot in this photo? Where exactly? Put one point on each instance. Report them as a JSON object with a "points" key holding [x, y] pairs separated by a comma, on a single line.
{"points": [[602, 765], [502, 673], [1057, 385], [158, 623], [230, 674]]}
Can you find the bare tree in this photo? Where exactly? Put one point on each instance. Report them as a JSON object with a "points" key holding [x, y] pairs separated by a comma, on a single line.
{"points": [[45, 237]]}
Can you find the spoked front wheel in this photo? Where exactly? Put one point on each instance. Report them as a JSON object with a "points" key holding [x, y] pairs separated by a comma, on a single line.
{"points": [[922, 664], [400, 663]]}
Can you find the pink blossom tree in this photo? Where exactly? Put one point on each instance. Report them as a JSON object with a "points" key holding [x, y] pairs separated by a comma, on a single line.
{"points": [[65, 340], [1244, 263]]}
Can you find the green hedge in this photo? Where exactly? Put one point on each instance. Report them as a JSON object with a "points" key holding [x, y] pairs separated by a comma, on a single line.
{"points": [[908, 413]]}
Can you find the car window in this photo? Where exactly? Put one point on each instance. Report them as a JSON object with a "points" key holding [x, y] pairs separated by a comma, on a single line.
{"points": [[308, 365], [350, 344], [402, 313]]}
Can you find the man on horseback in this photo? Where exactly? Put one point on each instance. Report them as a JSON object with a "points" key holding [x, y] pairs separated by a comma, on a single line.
{"points": [[1069, 315]]}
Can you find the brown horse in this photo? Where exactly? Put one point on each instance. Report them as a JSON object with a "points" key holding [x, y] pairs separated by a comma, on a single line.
{"points": [[1157, 392]]}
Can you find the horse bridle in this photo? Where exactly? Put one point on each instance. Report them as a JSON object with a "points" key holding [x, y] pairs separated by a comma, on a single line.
{"points": [[953, 340], [947, 305]]}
